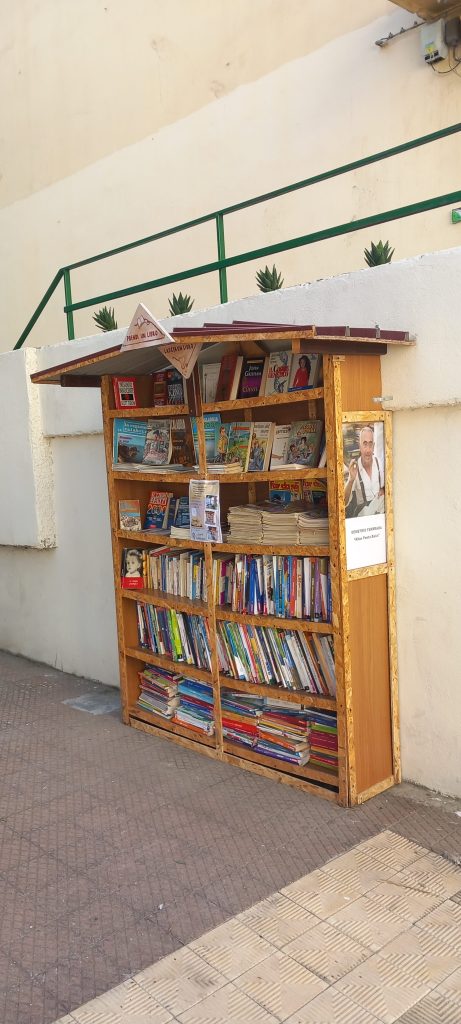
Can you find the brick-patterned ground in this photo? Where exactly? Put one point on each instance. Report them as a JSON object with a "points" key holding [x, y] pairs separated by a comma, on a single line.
{"points": [[118, 848]]}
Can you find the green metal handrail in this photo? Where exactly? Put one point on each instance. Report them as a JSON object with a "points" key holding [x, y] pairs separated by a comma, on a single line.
{"points": [[222, 263]]}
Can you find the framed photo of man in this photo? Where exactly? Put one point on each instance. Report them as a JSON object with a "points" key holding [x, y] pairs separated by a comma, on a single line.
{"points": [[364, 493]]}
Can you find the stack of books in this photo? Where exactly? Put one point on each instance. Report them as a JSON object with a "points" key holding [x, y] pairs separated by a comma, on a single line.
{"points": [[313, 527], [269, 522], [245, 524], [181, 637], [270, 656], [159, 691], [283, 732], [240, 713], [324, 739], [196, 706]]}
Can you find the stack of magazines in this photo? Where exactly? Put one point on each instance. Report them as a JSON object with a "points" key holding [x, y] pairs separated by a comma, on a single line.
{"points": [[159, 691], [196, 706], [271, 522], [245, 523]]}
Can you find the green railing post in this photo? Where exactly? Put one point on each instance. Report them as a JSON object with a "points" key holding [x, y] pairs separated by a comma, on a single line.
{"points": [[221, 256], [68, 301]]}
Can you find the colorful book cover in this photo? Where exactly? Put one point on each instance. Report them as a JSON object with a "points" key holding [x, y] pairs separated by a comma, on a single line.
{"points": [[182, 517], [132, 575], [221, 445], [157, 510], [239, 443], [129, 440], [125, 392], [228, 374], [280, 445], [157, 448], [211, 426], [278, 373], [262, 435], [181, 442], [159, 390], [304, 442], [251, 377], [175, 388], [129, 513], [285, 492], [305, 371]]}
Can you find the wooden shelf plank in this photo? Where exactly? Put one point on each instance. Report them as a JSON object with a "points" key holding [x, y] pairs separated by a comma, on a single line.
{"points": [[270, 474], [149, 412], [172, 666], [171, 727], [151, 537], [165, 600], [262, 401], [174, 737], [306, 772], [304, 625], [158, 475], [311, 700]]}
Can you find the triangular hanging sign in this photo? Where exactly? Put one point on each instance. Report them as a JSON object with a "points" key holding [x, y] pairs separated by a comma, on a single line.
{"points": [[145, 330], [182, 354]]}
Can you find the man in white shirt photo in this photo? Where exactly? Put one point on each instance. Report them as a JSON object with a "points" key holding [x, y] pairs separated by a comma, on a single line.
{"points": [[364, 489]]}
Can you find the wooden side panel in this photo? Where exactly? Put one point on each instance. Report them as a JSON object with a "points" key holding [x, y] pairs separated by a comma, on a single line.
{"points": [[360, 382], [370, 671]]}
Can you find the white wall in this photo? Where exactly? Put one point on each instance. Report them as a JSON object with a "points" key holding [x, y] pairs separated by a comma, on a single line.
{"points": [[58, 606]]}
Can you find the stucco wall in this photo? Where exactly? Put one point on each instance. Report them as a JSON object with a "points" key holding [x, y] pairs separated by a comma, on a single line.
{"points": [[307, 89], [58, 605]]}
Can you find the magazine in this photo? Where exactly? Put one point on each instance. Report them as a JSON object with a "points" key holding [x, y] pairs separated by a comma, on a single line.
{"points": [[129, 440], [157, 448], [304, 443]]}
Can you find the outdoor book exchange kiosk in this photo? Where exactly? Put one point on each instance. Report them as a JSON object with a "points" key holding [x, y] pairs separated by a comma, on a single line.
{"points": [[360, 549]]}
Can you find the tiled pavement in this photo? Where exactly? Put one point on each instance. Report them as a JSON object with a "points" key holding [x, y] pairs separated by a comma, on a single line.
{"points": [[119, 849]]}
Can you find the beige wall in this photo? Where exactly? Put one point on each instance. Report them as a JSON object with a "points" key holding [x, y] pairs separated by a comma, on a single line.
{"points": [[113, 131]]}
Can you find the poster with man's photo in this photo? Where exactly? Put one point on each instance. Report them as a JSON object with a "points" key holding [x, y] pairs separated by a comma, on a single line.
{"points": [[364, 494]]}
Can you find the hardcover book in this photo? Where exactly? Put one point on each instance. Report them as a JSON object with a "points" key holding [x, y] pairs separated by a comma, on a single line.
{"points": [[129, 514], [125, 392], [280, 445], [239, 443], [157, 448], [262, 435], [278, 373], [174, 387], [305, 371], [157, 511], [304, 442], [229, 377], [252, 376], [129, 440]]}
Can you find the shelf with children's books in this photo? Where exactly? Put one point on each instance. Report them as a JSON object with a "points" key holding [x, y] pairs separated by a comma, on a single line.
{"points": [[349, 745]]}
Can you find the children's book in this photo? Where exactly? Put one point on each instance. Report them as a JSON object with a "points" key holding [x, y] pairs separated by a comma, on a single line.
{"points": [[229, 377], [157, 511], [280, 445], [238, 444], [211, 425], [129, 513], [174, 387], [221, 445], [157, 448], [305, 371], [304, 442], [125, 392], [262, 435], [129, 440], [278, 373], [251, 379]]}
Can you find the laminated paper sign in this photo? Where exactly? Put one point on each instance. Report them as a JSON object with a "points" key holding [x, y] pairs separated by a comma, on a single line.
{"points": [[204, 510], [364, 494], [145, 330]]}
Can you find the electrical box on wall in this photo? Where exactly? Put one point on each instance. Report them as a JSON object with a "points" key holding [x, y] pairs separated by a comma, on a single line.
{"points": [[433, 44]]}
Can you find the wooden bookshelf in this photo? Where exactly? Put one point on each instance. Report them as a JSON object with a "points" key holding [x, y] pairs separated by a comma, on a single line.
{"points": [[363, 599]]}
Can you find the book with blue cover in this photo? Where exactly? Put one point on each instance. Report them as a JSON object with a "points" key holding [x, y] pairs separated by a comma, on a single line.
{"points": [[129, 440]]}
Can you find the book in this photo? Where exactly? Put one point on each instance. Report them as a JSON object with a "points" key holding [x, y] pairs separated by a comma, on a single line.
{"points": [[229, 377], [280, 445], [129, 514], [156, 517], [159, 390], [305, 371], [182, 449], [238, 445], [125, 392], [174, 387], [259, 455], [129, 441], [210, 376], [252, 375], [286, 491], [304, 443], [278, 373], [132, 573], [211, 427], [157, 447]]}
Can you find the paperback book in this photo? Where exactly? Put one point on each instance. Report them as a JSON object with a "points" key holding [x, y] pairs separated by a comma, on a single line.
{"points": [[210, 376], [125, 392], [305, 371], [211, 426], [182, 449], [229, 377], [132, 569], [252, 377], [157, 511], [174, 387], [159, 391], [304, 443], [129, 441], [129, 514], [157, 448], [280, 445], [259, 456], [278, 373], [239, 444]]}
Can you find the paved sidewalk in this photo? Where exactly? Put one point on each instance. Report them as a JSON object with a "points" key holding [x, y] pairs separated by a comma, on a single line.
{"points": [[119, 849]]}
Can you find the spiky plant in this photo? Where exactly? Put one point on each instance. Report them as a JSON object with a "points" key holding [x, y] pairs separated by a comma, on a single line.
{"points": [[378, 254], [105, 319], [180, 304], [269, 280]]}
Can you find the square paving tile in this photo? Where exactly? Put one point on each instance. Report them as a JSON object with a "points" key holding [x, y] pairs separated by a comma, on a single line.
{"points": [[179, 981], [431, 874], [382, 988], [445, 922], [423, 954], [432, 1009], [280, 985], [328, 952], [278, 919], [321, 893], [332, 1007], [128, 1003], [369, 923], [232, 949], [227, 1006]]}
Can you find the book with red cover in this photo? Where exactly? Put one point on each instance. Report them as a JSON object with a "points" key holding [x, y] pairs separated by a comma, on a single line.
{"points": [[132, 569], [159, 388], [125, 392], [229, 376], [252, 376]]}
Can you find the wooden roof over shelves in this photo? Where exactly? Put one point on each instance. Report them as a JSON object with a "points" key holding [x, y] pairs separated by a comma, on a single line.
{"points": [[87, 371]]}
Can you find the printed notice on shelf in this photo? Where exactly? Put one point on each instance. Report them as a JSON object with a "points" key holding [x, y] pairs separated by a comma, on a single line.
{"points": [[205, 513], [364, 493]]}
